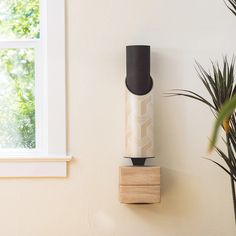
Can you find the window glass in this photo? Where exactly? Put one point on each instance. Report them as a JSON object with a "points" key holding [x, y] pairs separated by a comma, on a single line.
{"points": [[17, 99], [19, 19]]}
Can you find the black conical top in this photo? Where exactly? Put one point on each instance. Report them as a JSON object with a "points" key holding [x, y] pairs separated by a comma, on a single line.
{"points": [[138, 79]]}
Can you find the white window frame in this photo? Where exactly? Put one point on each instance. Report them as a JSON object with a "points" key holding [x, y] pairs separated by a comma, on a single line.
{"points": [[50, 157]]}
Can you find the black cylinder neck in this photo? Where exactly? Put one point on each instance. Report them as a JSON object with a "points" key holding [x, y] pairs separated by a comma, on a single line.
{"points": [[138, 161], [138, 79]]}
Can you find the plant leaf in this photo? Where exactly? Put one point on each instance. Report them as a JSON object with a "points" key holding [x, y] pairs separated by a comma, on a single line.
{"points": [[222, 167], [227, 109]]}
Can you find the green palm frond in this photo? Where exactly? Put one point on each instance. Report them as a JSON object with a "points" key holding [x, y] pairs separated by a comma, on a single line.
{"points": [[226, 112], [229, 161], [222, 167], [219, 84], [232, 6]]}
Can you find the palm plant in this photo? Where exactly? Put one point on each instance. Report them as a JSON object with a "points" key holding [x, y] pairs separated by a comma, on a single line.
{"points": [[232, 6], [220, 84], [230, 105], [225, 112]]}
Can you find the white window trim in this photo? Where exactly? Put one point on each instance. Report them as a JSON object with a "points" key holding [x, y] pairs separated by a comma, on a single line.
{"points": [[52, 161]]}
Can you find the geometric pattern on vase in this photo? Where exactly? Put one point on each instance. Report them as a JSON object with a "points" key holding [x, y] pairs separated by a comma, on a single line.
{"points": [[139, 125]]}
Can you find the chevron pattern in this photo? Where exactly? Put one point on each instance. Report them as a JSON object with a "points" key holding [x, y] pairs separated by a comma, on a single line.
{"points": [[139, 125]]}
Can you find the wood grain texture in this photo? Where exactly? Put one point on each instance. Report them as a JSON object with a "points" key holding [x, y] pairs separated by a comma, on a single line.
{"points": [[140, 194], [146, 175], [139, 184]]}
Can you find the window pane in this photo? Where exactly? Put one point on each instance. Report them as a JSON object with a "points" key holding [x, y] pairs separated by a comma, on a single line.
{"points": [[19, 19], [17, 100]]}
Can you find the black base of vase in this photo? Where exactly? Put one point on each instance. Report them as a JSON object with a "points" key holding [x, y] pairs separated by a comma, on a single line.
{"points": [[138, 161]]}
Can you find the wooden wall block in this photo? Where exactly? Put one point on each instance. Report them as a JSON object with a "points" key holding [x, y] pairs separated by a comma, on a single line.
{"points": [[139, 184], [132, 175], [140, 194]]}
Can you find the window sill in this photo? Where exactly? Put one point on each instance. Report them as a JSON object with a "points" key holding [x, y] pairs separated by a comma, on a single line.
{"points": [[33, 166]]}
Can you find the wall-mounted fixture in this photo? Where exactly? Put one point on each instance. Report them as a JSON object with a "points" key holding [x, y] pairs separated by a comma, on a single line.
{"points": [[139, 183]]}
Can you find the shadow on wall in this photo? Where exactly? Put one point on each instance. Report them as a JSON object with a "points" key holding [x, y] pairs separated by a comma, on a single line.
{"points": [[168, 113], [179, 190], [177, 198]]}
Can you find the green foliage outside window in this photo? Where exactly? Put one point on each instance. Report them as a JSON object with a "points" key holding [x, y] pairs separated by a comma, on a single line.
{"points": [[19, 19]]}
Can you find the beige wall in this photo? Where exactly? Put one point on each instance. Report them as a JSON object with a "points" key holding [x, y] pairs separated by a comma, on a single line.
{"points": [[196, 196]]}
